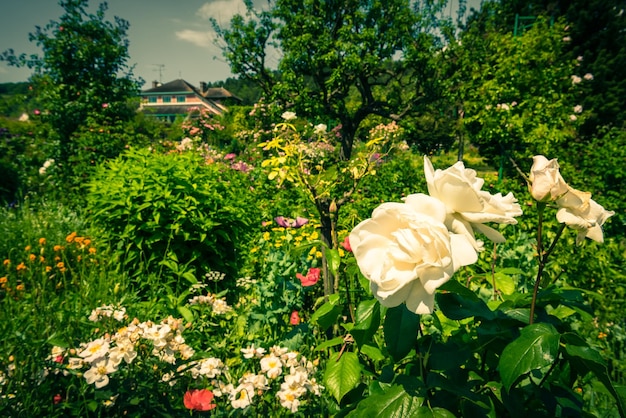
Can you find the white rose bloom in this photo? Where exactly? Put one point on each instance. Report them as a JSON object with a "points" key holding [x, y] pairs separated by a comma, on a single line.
{"points": [[406, 252], [580, 212], [546, 181], [468, 207]]}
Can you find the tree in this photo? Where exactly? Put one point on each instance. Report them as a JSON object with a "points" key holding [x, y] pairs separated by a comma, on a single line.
{"points": [[340, 60], [82, 73]]}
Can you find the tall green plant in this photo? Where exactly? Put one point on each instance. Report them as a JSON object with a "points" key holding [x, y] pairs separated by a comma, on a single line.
{"points": [[173, 213]]}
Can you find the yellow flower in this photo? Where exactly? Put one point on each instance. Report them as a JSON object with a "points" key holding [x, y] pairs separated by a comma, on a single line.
{"points": [[318, 254], [266, 236], [92, 250], [602, 335], [48, 268], [42, 241], [314, 235], [27, 248]]}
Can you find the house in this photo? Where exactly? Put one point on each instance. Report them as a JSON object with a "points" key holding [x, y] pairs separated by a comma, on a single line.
{"points": [[178, 98]]}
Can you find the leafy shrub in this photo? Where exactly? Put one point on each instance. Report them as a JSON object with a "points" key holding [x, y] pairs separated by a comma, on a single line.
{"points": [[172, 211]]}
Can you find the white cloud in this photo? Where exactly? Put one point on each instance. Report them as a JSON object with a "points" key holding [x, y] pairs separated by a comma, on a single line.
{"points": [[196, 37], [221, 10]]}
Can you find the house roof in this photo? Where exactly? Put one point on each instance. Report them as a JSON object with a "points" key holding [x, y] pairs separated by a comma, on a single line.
{"points": [[176, 86], [219, 93]]}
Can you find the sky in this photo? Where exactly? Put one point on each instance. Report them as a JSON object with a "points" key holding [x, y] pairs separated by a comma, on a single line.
{"points": [[168, 39]]}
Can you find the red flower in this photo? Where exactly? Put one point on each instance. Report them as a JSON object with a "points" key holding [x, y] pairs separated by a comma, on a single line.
{"points": [[312, 276], [199, 400], [346, 244], [294, 319], [57, 399]]}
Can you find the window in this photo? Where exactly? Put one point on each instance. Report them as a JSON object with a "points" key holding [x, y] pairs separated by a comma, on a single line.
{"points": [[180, 99], [167, 99], [152, 99]]}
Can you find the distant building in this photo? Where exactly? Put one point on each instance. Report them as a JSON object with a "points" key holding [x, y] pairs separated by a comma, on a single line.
{"points": [[178, 97]]}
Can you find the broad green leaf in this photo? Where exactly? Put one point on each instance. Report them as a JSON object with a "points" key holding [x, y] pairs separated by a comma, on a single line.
{"points": [[400, 329], [535, 348], [367, 321], [504, 283], [326, 315], [329, 343], [460, 303], [393, 403], [342, 374], [372, 352]]}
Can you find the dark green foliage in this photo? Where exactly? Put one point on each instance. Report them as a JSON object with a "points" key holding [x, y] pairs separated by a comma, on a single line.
{"points": [[175, 208]]}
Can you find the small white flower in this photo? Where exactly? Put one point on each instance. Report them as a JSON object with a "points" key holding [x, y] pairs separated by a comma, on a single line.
{"points": [[578, 109], [94, 350], [99, 372], [588, 76], [288, 116], [576, 79]]}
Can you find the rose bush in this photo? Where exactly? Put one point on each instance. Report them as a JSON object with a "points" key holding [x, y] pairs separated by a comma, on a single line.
{"points": [[580, 212], [406, 252], [468, 207]]}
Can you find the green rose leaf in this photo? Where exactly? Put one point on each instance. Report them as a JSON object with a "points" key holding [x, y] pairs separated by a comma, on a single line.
{"points": [[328, 313], [394, 402], [334, 260], [460, 302], [400, 329], [342, 374], [535, 348], [367, 321]]}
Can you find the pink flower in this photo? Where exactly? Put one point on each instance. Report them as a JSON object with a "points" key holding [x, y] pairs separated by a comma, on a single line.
{"points": [[58, 359], [312, 277], [199, 400], [291, 223], [37, 112], [105, 105], [294, 319], [346, 244], [230, 156]]}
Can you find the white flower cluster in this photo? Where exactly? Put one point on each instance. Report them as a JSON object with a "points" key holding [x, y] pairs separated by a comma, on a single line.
{"points": [[218, 305], [108, 311], [104, 355], [279, 361]]}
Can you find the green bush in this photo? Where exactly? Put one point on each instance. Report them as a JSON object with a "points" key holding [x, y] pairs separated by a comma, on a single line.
{"points": [[173, 213]]}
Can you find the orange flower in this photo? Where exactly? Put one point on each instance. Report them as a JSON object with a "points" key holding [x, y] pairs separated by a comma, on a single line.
{"points": [[48, 268], [3, 280], [42, 241], [92, 250], [21, 267], [19, 287], [60, 264], [79, 239], [70, 237], [27, 248], [86, 242], [42, 259], [57, 248], [6, 262], [32, 257]]}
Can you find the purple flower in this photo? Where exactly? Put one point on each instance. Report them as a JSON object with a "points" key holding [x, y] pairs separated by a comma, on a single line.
{"points": [[291, 223]]}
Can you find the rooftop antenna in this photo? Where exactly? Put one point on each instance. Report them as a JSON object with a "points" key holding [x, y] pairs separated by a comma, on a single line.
{"points": [[159, 68]]}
